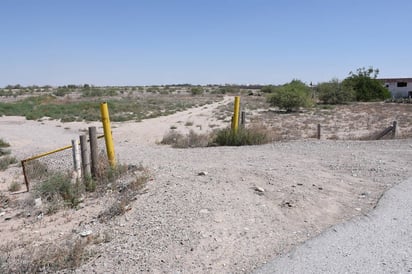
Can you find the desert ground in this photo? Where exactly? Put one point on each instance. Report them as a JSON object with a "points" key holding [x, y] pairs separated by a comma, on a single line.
{"points": [[211, 209]]}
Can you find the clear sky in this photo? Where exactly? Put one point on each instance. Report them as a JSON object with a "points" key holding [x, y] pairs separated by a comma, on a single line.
{"points": [[136, 42]]}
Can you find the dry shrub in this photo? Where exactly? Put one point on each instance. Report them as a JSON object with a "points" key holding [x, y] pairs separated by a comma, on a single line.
{"points": [[36, 169], [254, 135], [117, 208], [46, 258], [106, 175], [192, 139], [14, 186], [171, 138], [4, 200], [5, 161], [126, 193], [59, 191]]}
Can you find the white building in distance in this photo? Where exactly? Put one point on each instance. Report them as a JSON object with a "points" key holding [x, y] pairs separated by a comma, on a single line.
{"points": [[399, 87]]}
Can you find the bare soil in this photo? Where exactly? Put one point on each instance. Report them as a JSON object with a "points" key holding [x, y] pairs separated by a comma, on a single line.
{"points": [[210, 210]]}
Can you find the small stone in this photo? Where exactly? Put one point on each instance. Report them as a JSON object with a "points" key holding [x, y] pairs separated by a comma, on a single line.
{"points": [[202, 173], [358, 209], [7, 218], [204, 211], [85, 233], [2, 213], [38, 203], [259, 189]]}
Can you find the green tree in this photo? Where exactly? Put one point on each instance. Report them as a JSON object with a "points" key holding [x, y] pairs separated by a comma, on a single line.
{"points": [[366, 86], [335, 92], [291, 96], [196, 90], [268, 89]]}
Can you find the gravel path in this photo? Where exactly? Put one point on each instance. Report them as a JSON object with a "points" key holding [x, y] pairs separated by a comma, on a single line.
{"points": [[219, 223], [380, 242]]}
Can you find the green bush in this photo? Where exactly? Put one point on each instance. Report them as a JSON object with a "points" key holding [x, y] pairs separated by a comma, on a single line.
{"points": [[196, 90], [57, 187], [192, 139], [6, 161], [268, 89], [366, 86], [335, 92], [4, 143], [95, 92], [291, 96], [241, 137], [14, 186]]}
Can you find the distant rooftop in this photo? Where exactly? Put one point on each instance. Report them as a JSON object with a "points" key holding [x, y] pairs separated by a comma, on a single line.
{"points": [[394, 80]]}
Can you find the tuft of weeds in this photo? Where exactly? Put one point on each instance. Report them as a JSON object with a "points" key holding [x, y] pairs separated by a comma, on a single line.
{"points": [[107, 175], [36, 169], [172, 137], [4, 143], [4, 151], [58, 191], [4, 200], [126, 194], [192, 139], [242, 137], [14, 186], [6, 161], [47, 258]]}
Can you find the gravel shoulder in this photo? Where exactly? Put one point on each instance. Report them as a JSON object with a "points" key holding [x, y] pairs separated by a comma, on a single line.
{"points": [[218, 209], [379, 242]]}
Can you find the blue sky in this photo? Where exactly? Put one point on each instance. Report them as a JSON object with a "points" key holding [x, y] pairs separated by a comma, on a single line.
{"points": [[126, 42]]}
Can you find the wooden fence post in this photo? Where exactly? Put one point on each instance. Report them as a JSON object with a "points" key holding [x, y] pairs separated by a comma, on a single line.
{"points": [[85, 156], [394, 125], [243, 119], [318, 134], [93, 150], [76, 158]]}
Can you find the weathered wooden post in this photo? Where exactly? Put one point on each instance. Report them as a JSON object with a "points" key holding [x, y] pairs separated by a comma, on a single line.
{"points": [[93, 150], [318, 135], [76, 158], [394, 125], [85, 156], [243, 119]]}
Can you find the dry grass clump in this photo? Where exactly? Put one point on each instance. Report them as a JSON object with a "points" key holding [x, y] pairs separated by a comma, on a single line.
{"points": [[256, 134], [242, 137], [36, 169], [4, 200], [45, 258], [192, 139], [6, 161], [58, 191], [14, 186], [126, 192], [4, 143]]}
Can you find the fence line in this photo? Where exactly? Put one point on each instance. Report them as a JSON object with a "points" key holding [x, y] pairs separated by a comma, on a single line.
{"points": [[25, 162]]}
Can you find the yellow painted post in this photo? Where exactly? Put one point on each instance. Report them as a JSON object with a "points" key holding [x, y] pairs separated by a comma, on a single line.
{"points": [[107, 133], [235, 122]]}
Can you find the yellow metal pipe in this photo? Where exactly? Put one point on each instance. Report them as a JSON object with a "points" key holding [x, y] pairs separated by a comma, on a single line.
{"points": [[235, 122], [107, 133], [46, 153]]}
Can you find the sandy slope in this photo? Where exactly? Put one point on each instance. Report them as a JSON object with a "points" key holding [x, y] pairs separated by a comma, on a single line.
{"points": [[216, 223]]}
